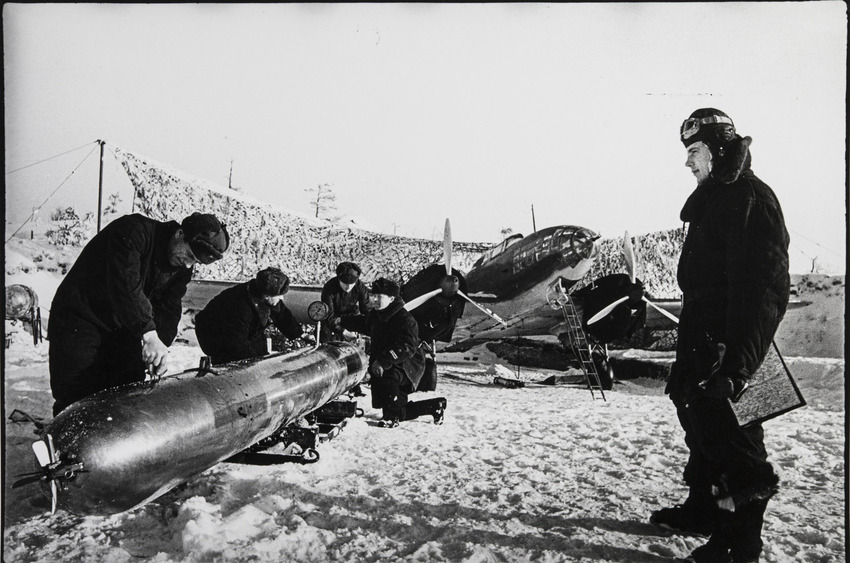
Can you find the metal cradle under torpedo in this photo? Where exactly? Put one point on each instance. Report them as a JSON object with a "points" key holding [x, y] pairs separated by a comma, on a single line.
{"points": [[122, 447]]}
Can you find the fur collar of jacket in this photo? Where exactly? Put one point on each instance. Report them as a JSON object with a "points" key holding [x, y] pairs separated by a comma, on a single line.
{"points": [[733, 160], [384, 314]]}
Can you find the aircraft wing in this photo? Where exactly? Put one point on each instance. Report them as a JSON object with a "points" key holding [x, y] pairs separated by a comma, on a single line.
{"points": [[657, 321], [534, 321], [539, 319], [297, 299]]}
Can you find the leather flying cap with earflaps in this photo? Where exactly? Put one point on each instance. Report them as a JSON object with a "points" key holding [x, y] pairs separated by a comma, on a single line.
{"points": [[730, 153], [709, 125]]}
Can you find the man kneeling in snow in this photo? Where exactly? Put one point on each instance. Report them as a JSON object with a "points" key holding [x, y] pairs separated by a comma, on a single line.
{"points": [[396, 362]]}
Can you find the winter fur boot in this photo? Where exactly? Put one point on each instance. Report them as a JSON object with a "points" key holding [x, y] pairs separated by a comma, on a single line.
{"points": [[697, 515], [746, 543], [716, 550], [434, 407], [709, 553], [393, 415]]}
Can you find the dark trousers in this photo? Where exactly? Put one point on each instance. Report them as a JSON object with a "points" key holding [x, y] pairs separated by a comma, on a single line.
{"points": [[415, 409], [389, 392], [84, 360], [720, 449], [724, 455]]}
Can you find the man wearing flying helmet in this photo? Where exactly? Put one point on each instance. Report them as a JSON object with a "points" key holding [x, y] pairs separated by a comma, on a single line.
{"points": [[117, 310], [733, 273]]}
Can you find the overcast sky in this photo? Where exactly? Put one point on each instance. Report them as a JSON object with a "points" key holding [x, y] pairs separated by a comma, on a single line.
{"points": [[415, 113]]}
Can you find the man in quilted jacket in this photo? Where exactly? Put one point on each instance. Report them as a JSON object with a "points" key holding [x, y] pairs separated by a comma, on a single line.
{"points": [[733, 273]]}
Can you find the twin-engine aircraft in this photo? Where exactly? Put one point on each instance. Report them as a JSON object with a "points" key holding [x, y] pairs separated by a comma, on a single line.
{"points": [[519, 287], [507, 285], [524, 287]]}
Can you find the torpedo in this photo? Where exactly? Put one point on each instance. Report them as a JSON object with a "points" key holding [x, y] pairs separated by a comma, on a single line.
{"points": [[123, 447]]}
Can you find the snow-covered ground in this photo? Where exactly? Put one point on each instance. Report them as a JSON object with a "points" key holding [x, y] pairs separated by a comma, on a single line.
{"points": [[541, 473]]}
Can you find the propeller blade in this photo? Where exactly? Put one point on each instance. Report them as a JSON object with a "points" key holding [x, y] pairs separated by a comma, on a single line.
{"points": [[604, 312], [417, 301], [50, 448], [41, 453], [629, 254], [46, 456], [54, 488], [447, 247], [28, 478], [484, 310], [667, 314], [54, 496]]}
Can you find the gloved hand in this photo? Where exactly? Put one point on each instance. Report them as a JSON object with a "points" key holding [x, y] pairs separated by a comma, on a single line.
{"points": [[723, 387], [335, 324], [376, 370]]}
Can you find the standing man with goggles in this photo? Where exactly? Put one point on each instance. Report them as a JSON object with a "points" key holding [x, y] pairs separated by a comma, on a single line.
{"points": [[116, 312], [733, 273]]}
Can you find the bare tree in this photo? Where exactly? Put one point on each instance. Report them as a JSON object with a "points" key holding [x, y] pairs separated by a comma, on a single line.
{"points": [[324, 201], [69, 229], [112, 206]]}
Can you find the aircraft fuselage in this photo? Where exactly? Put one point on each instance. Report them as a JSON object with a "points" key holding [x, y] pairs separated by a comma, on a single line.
{"points": [[519, 265]]}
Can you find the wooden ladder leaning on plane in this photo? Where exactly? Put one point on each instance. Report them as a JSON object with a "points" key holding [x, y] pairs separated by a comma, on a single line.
{"points": [[581, 347]]}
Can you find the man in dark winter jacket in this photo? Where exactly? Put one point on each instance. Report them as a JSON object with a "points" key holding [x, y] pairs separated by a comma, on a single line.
{"points": [[396, 361], [117, 310], [733, 273], [232, 325], [345, 295], [438, 316]]}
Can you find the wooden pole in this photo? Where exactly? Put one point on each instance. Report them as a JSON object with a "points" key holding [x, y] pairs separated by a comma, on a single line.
{"points": [[100, 186]]}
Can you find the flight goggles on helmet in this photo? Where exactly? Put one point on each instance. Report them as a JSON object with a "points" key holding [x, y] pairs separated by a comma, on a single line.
{"points": [[691, 126]]}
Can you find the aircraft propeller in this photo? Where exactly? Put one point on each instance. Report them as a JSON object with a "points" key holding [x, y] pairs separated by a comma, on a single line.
{"points": [[449, 285], [46, 456], [629, 255]]}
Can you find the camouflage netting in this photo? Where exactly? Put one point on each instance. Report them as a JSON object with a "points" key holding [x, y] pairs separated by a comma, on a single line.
{"points": [[308, 250], [656, 258]]}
